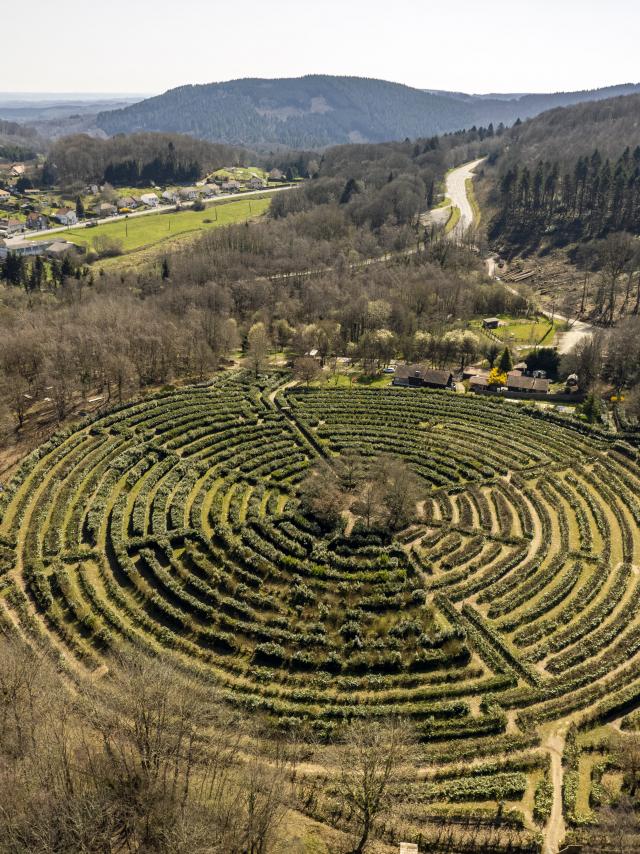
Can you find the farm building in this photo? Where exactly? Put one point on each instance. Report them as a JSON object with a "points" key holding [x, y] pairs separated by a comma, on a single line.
{"points": [[490, 323], [170, 196], [419, 376], [150, 200], [256, 183], [471, 371], [523, 384], [478, 383], [188, 194]]}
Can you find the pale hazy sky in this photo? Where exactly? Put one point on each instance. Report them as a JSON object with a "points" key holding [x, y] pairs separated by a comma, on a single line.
{"points": [[147, 46]]}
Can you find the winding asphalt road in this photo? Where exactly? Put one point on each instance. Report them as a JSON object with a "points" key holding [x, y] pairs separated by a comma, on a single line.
{"points": [[456, 185], [457, 192]]}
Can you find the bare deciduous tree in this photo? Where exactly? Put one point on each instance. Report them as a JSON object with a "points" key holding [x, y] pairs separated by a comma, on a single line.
{"points": [[372, 756]]}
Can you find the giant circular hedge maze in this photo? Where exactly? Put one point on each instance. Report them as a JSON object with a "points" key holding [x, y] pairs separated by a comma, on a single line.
{"points": [[510, 605]]}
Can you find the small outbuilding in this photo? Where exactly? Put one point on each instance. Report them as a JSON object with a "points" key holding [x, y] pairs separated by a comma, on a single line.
{"points": [[59, 248], [478, 383], [490, 323]]}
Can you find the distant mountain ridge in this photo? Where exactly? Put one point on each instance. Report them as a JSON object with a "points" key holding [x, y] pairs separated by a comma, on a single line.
{"points": [[317, 111]]}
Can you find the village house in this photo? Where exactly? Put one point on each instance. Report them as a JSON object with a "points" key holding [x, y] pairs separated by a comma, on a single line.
{"points": [[256, 183], [419, 376], [105, 209], [37, 221], [151, 200], [18, 170], [65, 216], [231, 187], [5, 196], [188, 194], [19, 246], [11, 226], [211, 190], [126, 202], [170, 196]]}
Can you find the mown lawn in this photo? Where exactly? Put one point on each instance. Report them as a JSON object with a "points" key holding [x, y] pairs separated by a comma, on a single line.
{"points": [[353, 379], [519, 331], [527, 332], [137, 232]]}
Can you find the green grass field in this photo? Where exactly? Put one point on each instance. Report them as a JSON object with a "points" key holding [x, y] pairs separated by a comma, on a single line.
{"points": [[138, 232], [528, 332], [240, 173], [519, 331]]}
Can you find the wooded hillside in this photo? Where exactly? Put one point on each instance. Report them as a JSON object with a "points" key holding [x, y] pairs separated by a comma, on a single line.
{"points": [[570, 174], [320, 110]]}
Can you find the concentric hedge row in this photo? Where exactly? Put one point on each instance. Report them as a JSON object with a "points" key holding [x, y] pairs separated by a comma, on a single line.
{"points": [[174, 524]]}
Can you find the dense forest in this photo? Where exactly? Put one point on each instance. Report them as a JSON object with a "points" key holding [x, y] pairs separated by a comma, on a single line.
{"points": [[76, 328], [318, 110], [569, 175], [136, 158], [18, 141], [588, 199]]}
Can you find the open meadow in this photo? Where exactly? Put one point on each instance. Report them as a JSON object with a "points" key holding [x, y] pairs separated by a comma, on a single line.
{"points": [[136, 233]]}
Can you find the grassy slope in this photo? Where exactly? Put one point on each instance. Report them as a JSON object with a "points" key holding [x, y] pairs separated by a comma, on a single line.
{"points": [[454, 218]]}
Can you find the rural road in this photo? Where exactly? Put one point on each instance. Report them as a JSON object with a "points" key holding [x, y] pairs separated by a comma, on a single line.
{"points": [[577, 331], [457, 192], [156, 210], [456, 188]]}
